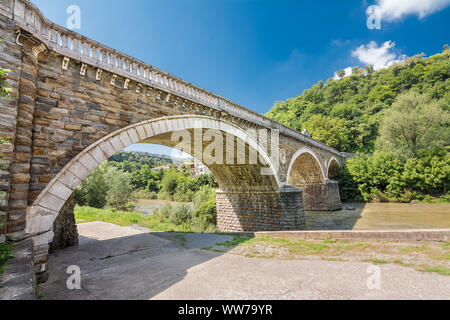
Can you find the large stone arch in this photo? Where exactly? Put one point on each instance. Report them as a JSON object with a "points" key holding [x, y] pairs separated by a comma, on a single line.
{"points": [[248, 199], [307, 172]]}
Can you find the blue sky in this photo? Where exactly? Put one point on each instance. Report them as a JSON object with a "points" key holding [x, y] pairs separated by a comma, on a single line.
{"points": [[256, 52]]}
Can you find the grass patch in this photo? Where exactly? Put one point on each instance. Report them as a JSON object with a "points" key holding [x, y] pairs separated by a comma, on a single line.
{"points": [[376, 261], [5, 255], [237, 240], [439, 270], [125, 219]]}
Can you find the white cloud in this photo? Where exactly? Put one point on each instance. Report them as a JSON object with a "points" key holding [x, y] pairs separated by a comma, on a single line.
{"points": [[348, 73], [392, 10], [379, 56]]}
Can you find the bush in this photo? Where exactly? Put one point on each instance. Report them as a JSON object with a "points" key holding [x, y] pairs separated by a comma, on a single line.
{"points": [[92, 191], [172, 178], [120, 190], [206, 214], [428, 174], [181, 214], [384, 177], [203, 195], [165, 211]]}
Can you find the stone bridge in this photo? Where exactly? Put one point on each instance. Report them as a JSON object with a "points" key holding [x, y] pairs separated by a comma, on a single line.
{"points": [[79, 102]]}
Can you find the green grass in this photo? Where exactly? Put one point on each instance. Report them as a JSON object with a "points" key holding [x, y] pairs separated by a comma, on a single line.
{"points": [[5, 255], [237, 240], [377, 261], [439, 270], [122, 218]]}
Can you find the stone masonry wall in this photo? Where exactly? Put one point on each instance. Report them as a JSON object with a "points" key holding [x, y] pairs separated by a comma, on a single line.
{"points": [[321, 197], [10, 58], [260, 211], [65, 228]]}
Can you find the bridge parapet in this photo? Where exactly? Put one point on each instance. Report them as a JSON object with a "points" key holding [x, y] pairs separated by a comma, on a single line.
{"points": [[72, 45]]}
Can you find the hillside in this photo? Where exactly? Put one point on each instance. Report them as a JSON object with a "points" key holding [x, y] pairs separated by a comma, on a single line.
{"points": [[346, 113], [133, 161]]}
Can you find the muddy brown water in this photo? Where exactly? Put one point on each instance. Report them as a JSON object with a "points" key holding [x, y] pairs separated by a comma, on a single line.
{"points": [[358, 216], [147, 206], [381, 216]]}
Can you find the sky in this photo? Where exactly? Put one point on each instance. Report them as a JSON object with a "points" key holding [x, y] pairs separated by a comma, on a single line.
{"points": [[256, 52]]}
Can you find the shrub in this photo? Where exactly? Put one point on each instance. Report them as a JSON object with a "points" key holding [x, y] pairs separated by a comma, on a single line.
{"points": [[92, 191], [206, 213], [172, 178], [181, 214], [203, 195], [429, 173], [165, 211], [120, 190]]}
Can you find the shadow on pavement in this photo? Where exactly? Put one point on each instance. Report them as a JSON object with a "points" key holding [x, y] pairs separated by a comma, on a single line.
{"points": [[137, 266]]}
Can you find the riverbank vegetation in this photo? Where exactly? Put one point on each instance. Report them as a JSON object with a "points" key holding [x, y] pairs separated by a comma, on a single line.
{"points": [[110, 192], [397, 122]]}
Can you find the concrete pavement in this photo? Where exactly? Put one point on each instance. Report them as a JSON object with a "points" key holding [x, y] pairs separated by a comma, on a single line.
{"points": [[131, 263]]}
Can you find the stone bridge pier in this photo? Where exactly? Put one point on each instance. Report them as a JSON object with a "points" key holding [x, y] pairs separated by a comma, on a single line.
{"points": [[79, 102]]}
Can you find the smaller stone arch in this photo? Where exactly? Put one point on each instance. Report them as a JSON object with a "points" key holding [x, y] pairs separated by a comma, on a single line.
{"points": [[307, 173], [334, 168], [305, 167]]}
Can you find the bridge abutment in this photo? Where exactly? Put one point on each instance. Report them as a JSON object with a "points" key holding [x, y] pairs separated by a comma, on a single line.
{"points": [[260, 211], [321, 196]]}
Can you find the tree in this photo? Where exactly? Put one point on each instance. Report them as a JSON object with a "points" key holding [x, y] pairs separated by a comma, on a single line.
{"points": [[93, 189], [369, 69], [145, 178], [375, 175], [120, 190], [172, 178], [341, 73], [331, 131], [429, 173], [414, 123]]}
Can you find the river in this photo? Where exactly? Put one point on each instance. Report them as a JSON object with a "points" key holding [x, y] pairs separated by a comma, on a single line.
{"points": [[147, 206], [359, 216], [381, 216]]}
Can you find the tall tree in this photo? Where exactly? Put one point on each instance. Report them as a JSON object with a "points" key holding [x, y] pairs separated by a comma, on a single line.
{"points": [[414, 123]]}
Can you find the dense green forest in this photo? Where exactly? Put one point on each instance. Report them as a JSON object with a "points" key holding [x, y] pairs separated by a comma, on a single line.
{"points": [[396, 119], [133, 161]]}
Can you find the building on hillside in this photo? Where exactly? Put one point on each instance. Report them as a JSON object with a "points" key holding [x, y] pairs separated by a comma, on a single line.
{"points": [[200, 168]]}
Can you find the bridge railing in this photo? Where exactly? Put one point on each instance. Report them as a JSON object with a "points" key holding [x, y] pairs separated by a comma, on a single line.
{"points": [[75, 46]]}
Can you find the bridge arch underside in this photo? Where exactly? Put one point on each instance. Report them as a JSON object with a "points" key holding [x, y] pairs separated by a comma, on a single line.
{"points": [[319, 192], [251, 197]]}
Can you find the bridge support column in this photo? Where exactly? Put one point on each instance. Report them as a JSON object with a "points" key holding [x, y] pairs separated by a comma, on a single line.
{"points": [[65, 228], [321, 196], [260, 211]]}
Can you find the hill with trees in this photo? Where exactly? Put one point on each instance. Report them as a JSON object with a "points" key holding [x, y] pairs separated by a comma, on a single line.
{"points": [[133, 161], [396, 119], [346, 113]]}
